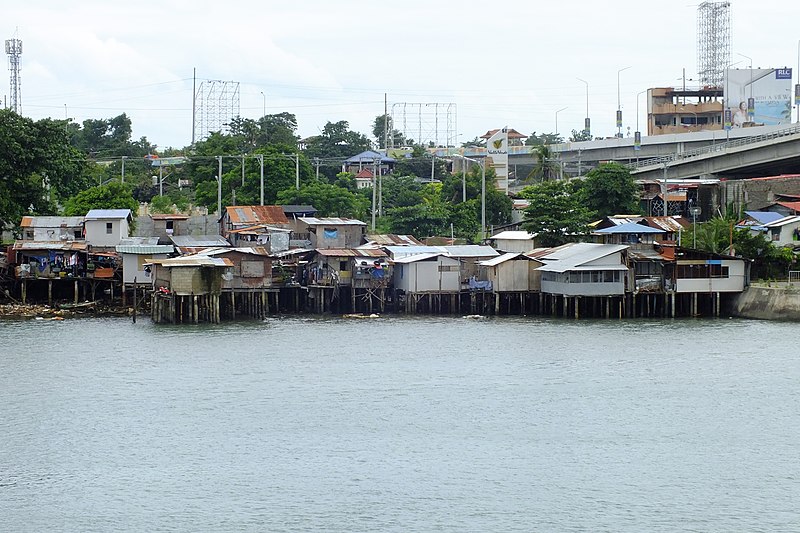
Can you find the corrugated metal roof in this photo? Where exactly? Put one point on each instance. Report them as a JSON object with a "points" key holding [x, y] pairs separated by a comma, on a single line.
{"points": [[254, 250], [199, 241], [573, 256], [256, 214], [470, 250], [130, 241], [100, 214], [331, 221], [351, 252], [669, 223], [514, 236], [501, 259], [782, 222], [51, 222], [764, 217], [369, 157], [294, 209], [194, 261], [631, 228], [70, 246], [144, 249], [418, 257], [392, 239], [403, 251]]}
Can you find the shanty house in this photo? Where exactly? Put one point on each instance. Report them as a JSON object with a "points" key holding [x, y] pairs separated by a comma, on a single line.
{"points": [[356, 267], [513, 241], [136, 252], [105, 228], [705, 272], [51, 229], [251, 267], [334, 232], [190, 244], [784, 231], [631, 233], [584, 269], [427, 273], [512, 272], [238, 217]]}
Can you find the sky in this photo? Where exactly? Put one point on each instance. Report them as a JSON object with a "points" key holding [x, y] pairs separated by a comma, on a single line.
{"points": [[491, 64]]}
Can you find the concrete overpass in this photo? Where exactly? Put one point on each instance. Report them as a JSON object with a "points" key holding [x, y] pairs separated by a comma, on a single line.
{"points": [[741, 152]]}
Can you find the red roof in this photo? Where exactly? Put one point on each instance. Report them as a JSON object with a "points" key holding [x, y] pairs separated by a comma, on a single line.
{"points": [[512, 134], [365, 173], [794, 206]]}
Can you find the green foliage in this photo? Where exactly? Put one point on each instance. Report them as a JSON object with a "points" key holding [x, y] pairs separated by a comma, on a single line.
{"points": [[400, 191], [579, 136], [99, 138], [556, 213], [38, 167], [114, 195], [337, 141], [543, 139], [421, 220], [419, 165], [547, 166], [278, 129], [611, 190], [329, 200], [379, 128]]}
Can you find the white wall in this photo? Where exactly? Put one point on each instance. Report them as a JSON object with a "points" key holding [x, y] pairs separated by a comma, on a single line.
{"points": [[96, 234], [735, 282]]}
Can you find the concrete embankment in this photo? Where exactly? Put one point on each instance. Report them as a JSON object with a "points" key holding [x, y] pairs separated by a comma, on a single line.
{"points": [[768, 303]]}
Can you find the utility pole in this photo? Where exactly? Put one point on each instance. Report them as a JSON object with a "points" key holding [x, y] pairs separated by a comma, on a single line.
{"points": [[219, 187], [483, 199], [160, 179], [433, 162], [374, 189], [297, 171], [124, 157], [242, 170], [316, 164], [261, 163]]}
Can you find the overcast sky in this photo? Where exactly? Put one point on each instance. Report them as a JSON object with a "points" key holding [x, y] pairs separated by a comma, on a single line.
{"points": [[500, 63]]}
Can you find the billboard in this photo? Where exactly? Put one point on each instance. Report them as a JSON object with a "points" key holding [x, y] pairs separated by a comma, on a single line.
{"points": [[497, 150], [758, 97]]}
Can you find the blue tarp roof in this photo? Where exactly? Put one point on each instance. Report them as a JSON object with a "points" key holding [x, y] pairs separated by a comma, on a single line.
{"points": [[630, 227]]}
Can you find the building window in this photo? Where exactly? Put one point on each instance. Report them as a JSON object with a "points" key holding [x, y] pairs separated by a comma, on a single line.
{"points": [[330, 233], [109, 228]]}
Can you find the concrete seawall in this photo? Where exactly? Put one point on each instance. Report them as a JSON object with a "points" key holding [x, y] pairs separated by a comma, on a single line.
{"points": [[768, 303]]}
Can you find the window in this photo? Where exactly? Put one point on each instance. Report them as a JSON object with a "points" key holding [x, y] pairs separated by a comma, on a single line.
{"points": [[448, 268], [109, 228], [701, 271], [343, 266], [330, 233], [77, 234]]}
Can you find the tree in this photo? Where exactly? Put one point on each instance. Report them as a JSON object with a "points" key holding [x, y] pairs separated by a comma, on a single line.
{"points": [[419, 165], [38, 167], [278, 129], [114, 195], [421, 220], [379, 132], [579, 136], [611, 190], [547, 166], [329, 200], [556, 214], [337, 141], [544, 139]]}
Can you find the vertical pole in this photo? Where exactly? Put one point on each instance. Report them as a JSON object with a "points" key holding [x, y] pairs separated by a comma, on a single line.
{"points": [[297, 171], [242, 170], [134, 298], [386, 124], [160, 179], [261, 163], [124, 157], [433, 163], [374, 192], [483, 199], [219, 187], [316, 163], [194, 96]]}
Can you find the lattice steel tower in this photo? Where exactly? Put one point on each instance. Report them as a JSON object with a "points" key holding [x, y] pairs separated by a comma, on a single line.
{"points": [[14, 50], [434, 123], [713, 42], [216, 103]]}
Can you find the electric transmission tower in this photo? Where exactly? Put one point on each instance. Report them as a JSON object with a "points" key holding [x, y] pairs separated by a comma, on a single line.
{"points": [[216, 103], [713, 42], [14, 50]]}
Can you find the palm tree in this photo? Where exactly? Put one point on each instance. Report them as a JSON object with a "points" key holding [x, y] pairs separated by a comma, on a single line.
{"points": [[546, 167]]}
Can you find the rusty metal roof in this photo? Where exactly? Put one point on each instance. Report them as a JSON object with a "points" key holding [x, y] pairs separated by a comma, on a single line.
{"points": [[70, 246], [670, 223], [198, 241], [51, 222], [256, 214], [351, 252], [392, 239]]}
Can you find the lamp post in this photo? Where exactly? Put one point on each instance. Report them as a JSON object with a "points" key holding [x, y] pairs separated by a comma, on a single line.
{"points": [[751, 111], [263, 104], [586, 122], [619, 104], [557, 112]]}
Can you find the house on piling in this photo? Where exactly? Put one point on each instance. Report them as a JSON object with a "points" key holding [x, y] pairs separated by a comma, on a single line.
{"points": [[510, 241], [247, 289], [514, 279], [426, 281], [137, 254], [187, 289], [51, 229], [58, 267], [584, 276], [354, 279]]}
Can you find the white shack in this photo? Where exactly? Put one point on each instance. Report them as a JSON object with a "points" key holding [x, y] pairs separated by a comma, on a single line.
{"points": [[427, 273], [513, 272]]}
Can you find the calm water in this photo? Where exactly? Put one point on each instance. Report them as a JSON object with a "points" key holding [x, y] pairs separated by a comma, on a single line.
{"points": [[400, 424]]}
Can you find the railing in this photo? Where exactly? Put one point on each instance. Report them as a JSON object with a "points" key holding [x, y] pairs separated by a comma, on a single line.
{"points": [[721, 147]]}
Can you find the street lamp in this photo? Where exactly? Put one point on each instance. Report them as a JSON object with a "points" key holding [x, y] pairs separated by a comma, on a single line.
{"points": [[557, 112], [264, 104], [619, 104], [586, 122], [751, 111]]}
